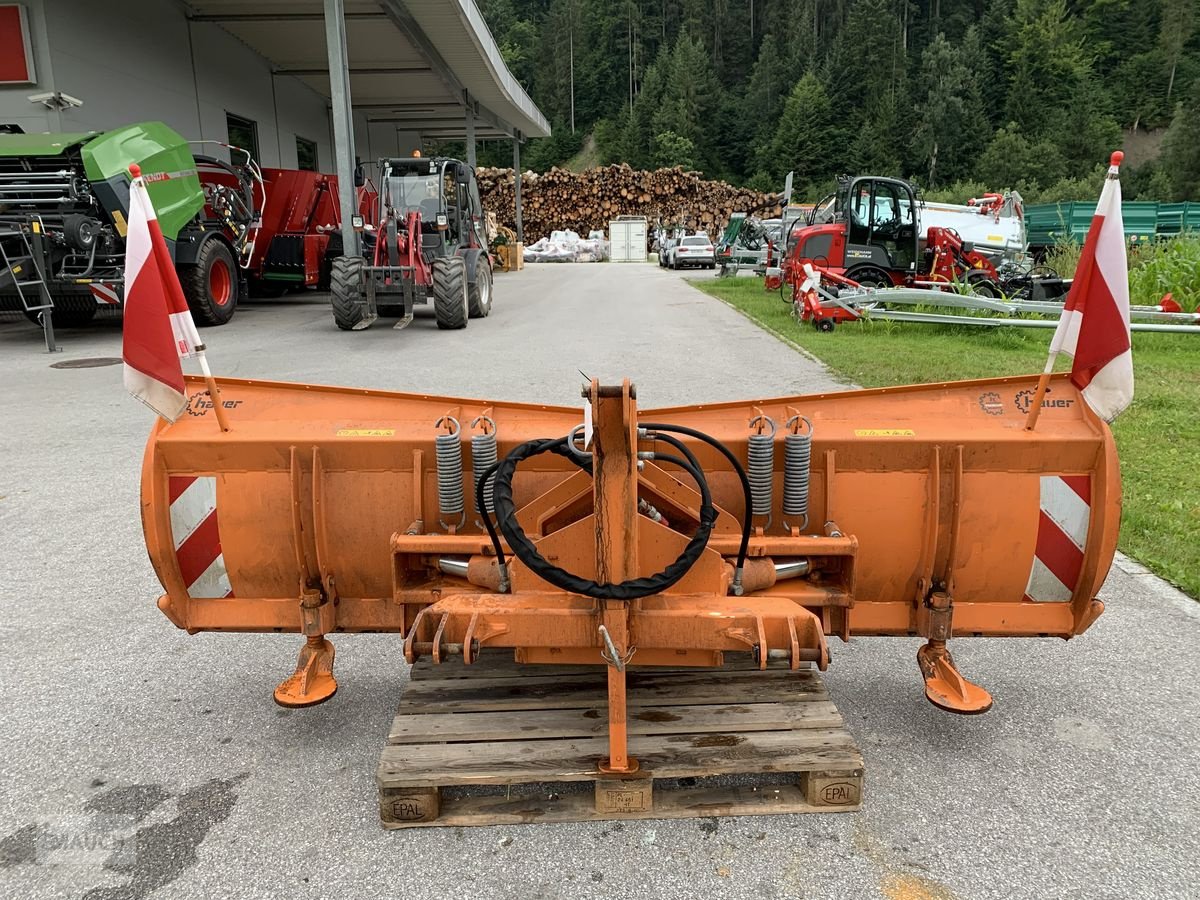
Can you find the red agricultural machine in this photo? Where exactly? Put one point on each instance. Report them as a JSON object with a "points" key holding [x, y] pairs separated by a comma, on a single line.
{"points": [[429, 246], [871, 233], [298, 233]]}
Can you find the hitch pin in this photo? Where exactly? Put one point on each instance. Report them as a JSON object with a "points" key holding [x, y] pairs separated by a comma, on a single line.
{"points": [[612, 657]]}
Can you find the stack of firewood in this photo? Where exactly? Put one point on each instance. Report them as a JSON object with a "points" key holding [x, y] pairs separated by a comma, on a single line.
{"points": [[587, 201]]}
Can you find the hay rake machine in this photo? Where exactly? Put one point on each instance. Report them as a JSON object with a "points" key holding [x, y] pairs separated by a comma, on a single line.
{"points": [[620, 537], [826, 299]]}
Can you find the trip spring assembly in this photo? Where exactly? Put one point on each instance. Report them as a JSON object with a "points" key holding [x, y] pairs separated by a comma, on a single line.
{"points": [[448, 448], [760, 466], [483, 457], [797, 464]]}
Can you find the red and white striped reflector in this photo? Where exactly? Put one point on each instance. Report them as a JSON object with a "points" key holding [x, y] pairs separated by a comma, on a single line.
{"points": [[1066, 512], [105, 295], [197, 536]]}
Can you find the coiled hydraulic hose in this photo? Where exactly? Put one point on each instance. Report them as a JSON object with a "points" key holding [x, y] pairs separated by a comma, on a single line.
{"points": [[653, 431], [485, 499], [744, 548], [630, 589]]}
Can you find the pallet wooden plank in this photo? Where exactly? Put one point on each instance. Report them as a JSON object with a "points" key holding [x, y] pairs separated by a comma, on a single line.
{"points": [[511, 694], [580, 807], [575, 759], [492, 666], [428, 728]]}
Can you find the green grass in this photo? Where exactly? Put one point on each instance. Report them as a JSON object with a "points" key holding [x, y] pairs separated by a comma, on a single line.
{"points": [[1155, 269], [1158, 437]]}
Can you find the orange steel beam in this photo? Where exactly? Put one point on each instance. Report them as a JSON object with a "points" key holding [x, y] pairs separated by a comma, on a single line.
{"points": [[614, 492]]}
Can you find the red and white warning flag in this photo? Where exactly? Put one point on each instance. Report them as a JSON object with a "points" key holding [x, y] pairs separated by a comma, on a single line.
{"points": [[158, 329], [1094, 328]]}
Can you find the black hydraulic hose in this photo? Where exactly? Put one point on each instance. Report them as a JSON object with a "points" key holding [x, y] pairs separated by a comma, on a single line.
{"points": [[744, 549], [527, 552], [678, 445], [481, 486]]}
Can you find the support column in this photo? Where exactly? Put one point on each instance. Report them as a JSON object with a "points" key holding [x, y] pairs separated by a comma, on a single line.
{"points": [[517, 186], [470, 133], [614, 487], [343, 119]]}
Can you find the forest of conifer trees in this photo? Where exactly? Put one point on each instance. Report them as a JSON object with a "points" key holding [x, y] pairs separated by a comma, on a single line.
{"points": [[960, 95]]}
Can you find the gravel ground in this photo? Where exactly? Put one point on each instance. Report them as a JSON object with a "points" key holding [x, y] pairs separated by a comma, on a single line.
{"points": [[140, 762]]}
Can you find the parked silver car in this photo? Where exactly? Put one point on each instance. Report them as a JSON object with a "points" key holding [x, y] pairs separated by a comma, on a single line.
{"points": [[693, 250]]}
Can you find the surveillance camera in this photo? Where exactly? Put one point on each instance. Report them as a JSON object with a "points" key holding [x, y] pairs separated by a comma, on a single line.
{"points": [[55, 100]]}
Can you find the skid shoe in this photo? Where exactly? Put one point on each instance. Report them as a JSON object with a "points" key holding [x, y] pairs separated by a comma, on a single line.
{"points": [[313, 680], [945, 687]]}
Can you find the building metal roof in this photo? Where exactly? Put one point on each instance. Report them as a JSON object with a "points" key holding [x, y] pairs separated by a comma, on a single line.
{"points": [[418, 64]]}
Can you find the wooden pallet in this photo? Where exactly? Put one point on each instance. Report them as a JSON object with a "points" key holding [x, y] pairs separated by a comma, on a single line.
{"points": [[536, 733]]}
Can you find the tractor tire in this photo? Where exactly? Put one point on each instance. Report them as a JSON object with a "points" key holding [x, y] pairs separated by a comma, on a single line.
{"points": [[870, 276], [479, 294], [212, 285], [70, 311], [984, 287], [347, 293], [450, 292]]}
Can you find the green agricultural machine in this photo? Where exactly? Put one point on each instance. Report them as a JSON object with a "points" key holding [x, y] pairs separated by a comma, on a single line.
{"points": [[1145, 220], [64, 206], [745, 241]]}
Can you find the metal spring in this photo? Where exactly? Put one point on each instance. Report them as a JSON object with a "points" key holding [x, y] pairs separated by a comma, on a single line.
{"points": [[760, 468], [448, 449], [483, 455], [797, 464]]}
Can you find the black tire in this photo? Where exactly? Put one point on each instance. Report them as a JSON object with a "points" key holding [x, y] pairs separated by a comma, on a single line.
{"points": [[825, 325], [70, 311], [984, 287], [450, 292], [479, 293], [870, 276], [347, 293], [212, 285]]}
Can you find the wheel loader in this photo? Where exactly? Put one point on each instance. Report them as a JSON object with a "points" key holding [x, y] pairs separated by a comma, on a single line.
{"points": [[429, 246]]}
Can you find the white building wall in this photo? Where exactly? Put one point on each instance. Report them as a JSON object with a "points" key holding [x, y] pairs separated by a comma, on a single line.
{"points": [[131, 61]]}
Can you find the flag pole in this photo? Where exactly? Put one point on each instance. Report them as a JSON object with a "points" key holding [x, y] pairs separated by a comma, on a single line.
{"points": [[1082, 284], [1040, 394], [214, 393]]}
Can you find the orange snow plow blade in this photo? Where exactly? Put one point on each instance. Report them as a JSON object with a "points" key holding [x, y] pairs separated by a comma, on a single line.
{"points": [[925, 510]]}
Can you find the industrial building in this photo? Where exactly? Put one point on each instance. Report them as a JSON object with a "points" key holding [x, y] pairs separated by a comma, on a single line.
{"points": [[257, 74]]}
